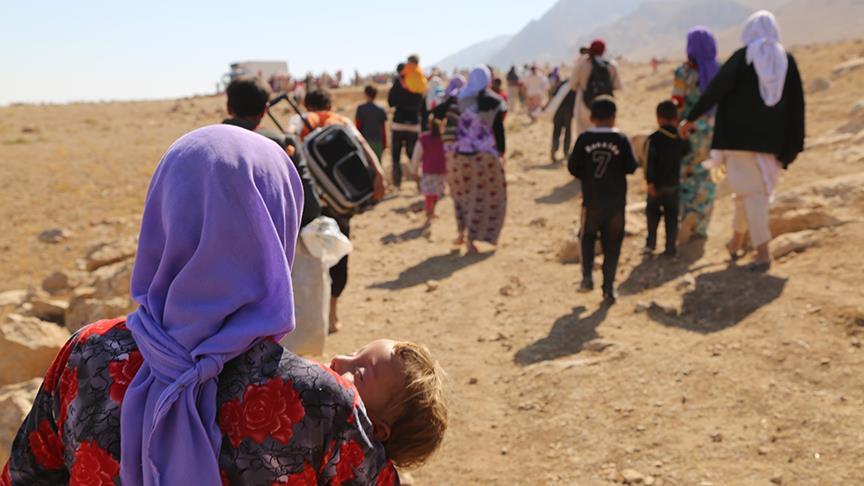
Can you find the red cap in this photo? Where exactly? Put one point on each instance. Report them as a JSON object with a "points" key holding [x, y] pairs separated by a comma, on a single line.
{"points": [[598, 47]]}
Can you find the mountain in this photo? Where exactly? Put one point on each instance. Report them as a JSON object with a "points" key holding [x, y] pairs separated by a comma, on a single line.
{"points": [[660, 28], [549, 38], [474, 54]]}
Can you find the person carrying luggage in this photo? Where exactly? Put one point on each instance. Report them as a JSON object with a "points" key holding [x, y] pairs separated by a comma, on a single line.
{"points": [[592, 76]]}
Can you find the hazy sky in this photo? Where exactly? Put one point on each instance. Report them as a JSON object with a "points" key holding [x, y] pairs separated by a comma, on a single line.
{"points": [[54, 50]]}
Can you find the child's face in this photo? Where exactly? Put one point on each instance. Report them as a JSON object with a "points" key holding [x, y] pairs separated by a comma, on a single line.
{"points": [[376, 371]]}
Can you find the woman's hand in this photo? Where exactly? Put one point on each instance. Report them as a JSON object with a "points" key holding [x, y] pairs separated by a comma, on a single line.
{"points": [[686, 128]]}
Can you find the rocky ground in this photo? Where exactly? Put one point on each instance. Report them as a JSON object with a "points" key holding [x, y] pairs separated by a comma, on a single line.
{"points": [[703, 373]]}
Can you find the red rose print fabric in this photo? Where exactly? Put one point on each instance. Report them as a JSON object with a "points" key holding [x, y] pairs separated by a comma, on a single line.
{"points": [[285, 420]]}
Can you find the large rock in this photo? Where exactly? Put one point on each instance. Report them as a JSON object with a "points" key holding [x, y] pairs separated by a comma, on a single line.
{"points": [[847, 67], [108, 253], [800, 220], [27, 347], [113, 280], [13, 298], [84, 310], [51, 310], [792, 242], [15, 403]]}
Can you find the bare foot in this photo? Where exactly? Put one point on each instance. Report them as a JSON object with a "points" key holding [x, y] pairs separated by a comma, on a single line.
{"points": [[472, 248], [334, 319]]}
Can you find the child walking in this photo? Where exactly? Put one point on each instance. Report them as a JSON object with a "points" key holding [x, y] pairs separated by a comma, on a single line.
{"points": [[429, 155], [371, 120], [601, 159], [663, 153]]}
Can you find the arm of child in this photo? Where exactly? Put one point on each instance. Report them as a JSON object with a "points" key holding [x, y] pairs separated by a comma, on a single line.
{"points": [[650, 167], [630, 164], [576, 162], [37, 452]]}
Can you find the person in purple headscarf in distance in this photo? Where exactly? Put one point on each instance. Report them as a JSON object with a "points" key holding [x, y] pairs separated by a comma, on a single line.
{"points": [[691, 79], [192, 387]]}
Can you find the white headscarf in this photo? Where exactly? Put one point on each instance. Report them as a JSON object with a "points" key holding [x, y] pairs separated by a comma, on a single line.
{"points": [[768, 56]]}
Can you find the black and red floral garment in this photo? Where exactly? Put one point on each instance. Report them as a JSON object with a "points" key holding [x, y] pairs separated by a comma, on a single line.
{"points": [[285, 420]]}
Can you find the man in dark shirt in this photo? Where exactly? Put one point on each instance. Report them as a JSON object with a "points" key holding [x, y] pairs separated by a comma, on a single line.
{"points": [[664, 150], [371, 120], [406, 122], [601, 159], [247, 105]]}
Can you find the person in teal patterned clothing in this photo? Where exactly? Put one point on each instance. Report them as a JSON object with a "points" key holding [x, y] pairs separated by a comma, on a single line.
{"points": [[691, 79]]}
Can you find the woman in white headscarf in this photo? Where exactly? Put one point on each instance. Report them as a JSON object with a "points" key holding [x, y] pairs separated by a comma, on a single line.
{"points": [[759, 128]]}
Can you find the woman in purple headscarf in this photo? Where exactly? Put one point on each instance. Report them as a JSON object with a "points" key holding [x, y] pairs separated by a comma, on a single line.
{"points": [[691, 79], [192, 387]]}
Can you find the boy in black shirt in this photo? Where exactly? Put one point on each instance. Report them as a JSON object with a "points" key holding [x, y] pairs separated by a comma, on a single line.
{"points": [[601, 159], [663, 153]]}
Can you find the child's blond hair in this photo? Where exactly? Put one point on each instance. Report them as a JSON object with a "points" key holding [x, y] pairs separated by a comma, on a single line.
{"points": [[419, 428]]}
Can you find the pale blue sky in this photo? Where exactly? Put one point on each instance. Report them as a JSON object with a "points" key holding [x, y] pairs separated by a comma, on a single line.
{"points": [[55, 50]]}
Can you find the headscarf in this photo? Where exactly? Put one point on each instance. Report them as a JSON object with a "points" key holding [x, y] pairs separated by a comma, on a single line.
{"points": [[454, 86], [597, 48], [434, 92], [212, 277], [478, 80], [702, 50], [768, 56]]}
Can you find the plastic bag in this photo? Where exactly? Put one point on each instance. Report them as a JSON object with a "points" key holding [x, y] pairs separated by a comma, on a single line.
{"points": [[324, 240]]}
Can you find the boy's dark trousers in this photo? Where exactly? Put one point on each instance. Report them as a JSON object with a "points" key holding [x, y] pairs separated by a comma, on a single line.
{"points": [[609, 222], [562, 123], [401, 138], [665, 203]]}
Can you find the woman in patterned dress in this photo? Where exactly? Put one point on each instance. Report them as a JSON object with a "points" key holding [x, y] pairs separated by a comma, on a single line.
{"points": [[691, 79], [475, 167]]}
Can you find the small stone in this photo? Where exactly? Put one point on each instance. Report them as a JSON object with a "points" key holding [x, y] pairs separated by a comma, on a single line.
{"points": [[597, 345], [818, 84], [632, 476], [54, 235], [763, 451], [472, 381], [825, 362], [667, 309], [56, 282], [503, 451], [641, 307], [539, 222], [777, 479], [716, 437], [50, 310], [108, 253], [432, 285]]}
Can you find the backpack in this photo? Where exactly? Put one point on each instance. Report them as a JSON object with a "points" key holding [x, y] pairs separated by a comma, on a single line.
{"points": [[599, 82]]}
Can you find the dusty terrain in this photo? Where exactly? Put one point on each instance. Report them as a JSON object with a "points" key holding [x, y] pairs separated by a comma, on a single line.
{"points": [[729, 378]]}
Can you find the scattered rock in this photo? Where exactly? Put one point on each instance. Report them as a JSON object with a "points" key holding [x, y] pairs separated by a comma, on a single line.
{"points": [[54, 235], [641, 307], [113, 280], [56, 282], [389, 239], [667, 309], [847, 67], [432, 285], [570, 251], [13, 298], [29, 129], [597, 345], [818, 84], [108, 253], [857, 108], [472, 381], [716, 437], [27, 347], [15, 403], [632, 476], [792, 242], [51, 310], [539, 222], [83, 311], [513, 288], [777, 479], [801, 219], [516, 154]]}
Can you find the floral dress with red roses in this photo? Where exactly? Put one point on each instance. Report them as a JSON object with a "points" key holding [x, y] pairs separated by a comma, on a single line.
{"points": [[285, 420]]}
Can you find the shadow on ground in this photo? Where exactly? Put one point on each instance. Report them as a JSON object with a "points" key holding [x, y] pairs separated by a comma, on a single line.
{"points": [[561, 193], [567, 336], [437, 267], [654, 271], [722, 299]]}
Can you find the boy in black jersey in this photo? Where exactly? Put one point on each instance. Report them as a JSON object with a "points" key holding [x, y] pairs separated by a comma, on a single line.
{"points": [[601, 159], [664, 150]]}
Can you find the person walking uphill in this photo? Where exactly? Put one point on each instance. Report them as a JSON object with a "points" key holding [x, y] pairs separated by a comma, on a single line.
{"points": [[475, 170], [405, 126], [592, 76], [691, 79], [759, 128]]}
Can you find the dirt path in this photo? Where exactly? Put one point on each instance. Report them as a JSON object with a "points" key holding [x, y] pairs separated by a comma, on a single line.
{"points": [[733, 378]]}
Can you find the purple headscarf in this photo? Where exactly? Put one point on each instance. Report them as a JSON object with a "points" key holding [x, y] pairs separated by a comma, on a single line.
{"points": [[478, 80], [702, 50], [455, 86], [212, 277]]}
